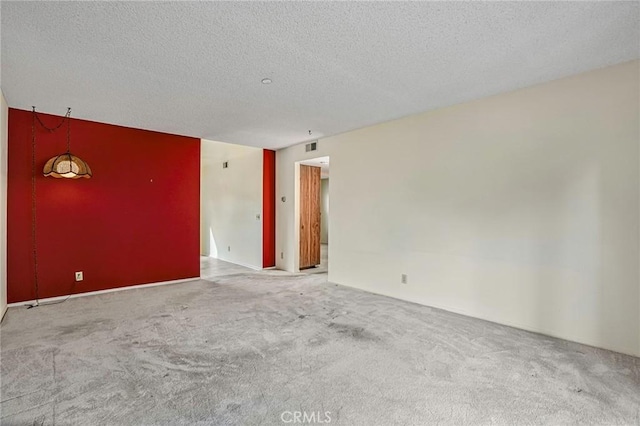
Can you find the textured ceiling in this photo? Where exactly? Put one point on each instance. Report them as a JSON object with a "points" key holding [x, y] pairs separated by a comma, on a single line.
{"points": [[195, 68]]}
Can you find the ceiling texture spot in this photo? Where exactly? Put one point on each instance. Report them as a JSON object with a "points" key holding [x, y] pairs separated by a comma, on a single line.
{"points": [[195, 68]]}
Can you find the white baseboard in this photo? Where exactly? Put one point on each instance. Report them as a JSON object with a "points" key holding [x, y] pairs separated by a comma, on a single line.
{"points": [[255, 268], [512, 324], [94, 293]]}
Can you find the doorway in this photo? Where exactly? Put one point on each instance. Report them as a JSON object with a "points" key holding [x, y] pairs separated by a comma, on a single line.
{"points": [[313, 215]]}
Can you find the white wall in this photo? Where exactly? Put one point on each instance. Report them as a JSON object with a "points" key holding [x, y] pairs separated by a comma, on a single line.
{"points": [[230, 199], [4, 112], [521, 208], [324, 211]]}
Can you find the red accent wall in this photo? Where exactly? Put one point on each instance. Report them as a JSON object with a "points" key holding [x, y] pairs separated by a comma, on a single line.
{"points": [[269, 209], [135, 222]]}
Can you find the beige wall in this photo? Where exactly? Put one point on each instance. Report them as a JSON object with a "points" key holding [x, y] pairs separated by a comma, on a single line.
{"points": [[324, 211], [4, 112], [521, 208], [229, 202]]}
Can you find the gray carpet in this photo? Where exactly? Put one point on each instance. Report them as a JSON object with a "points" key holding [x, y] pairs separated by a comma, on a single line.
{"points": [[255, 348]]}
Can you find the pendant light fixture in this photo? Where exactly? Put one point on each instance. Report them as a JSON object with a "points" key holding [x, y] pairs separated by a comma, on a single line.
{"points": [[65, 165]]}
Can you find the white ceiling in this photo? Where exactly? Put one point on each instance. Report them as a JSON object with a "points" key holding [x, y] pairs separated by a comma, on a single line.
{"points": [[195, 68]]}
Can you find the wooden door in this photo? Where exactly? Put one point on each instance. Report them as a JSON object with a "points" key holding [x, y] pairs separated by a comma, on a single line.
{"points": [[309, 216]]}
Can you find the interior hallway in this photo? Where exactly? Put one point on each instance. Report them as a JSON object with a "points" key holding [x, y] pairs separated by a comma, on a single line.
{"points": [[323, 267], [242, 347]]}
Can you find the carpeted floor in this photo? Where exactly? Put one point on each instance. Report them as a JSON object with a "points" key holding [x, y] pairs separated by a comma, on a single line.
{"points": [[248, 348]]}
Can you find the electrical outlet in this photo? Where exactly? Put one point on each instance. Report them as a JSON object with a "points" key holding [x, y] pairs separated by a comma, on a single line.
{"points": [[281, 255], [79, 276], [403, 279], [229, 248]]}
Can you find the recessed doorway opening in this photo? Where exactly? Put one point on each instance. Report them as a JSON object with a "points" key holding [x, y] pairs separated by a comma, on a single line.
{"points": [[312, 215]]}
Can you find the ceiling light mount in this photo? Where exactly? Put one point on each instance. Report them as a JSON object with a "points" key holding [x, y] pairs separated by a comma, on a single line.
{"points": [[267, 81]]}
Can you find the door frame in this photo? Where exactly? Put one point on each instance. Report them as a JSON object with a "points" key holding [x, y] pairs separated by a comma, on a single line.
{"points": [[296, 217], [296, 209]]}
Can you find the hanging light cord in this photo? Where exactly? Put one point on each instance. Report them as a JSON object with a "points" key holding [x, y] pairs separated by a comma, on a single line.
{"points": [[35, 117], [66, 118], [33, 204]]}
